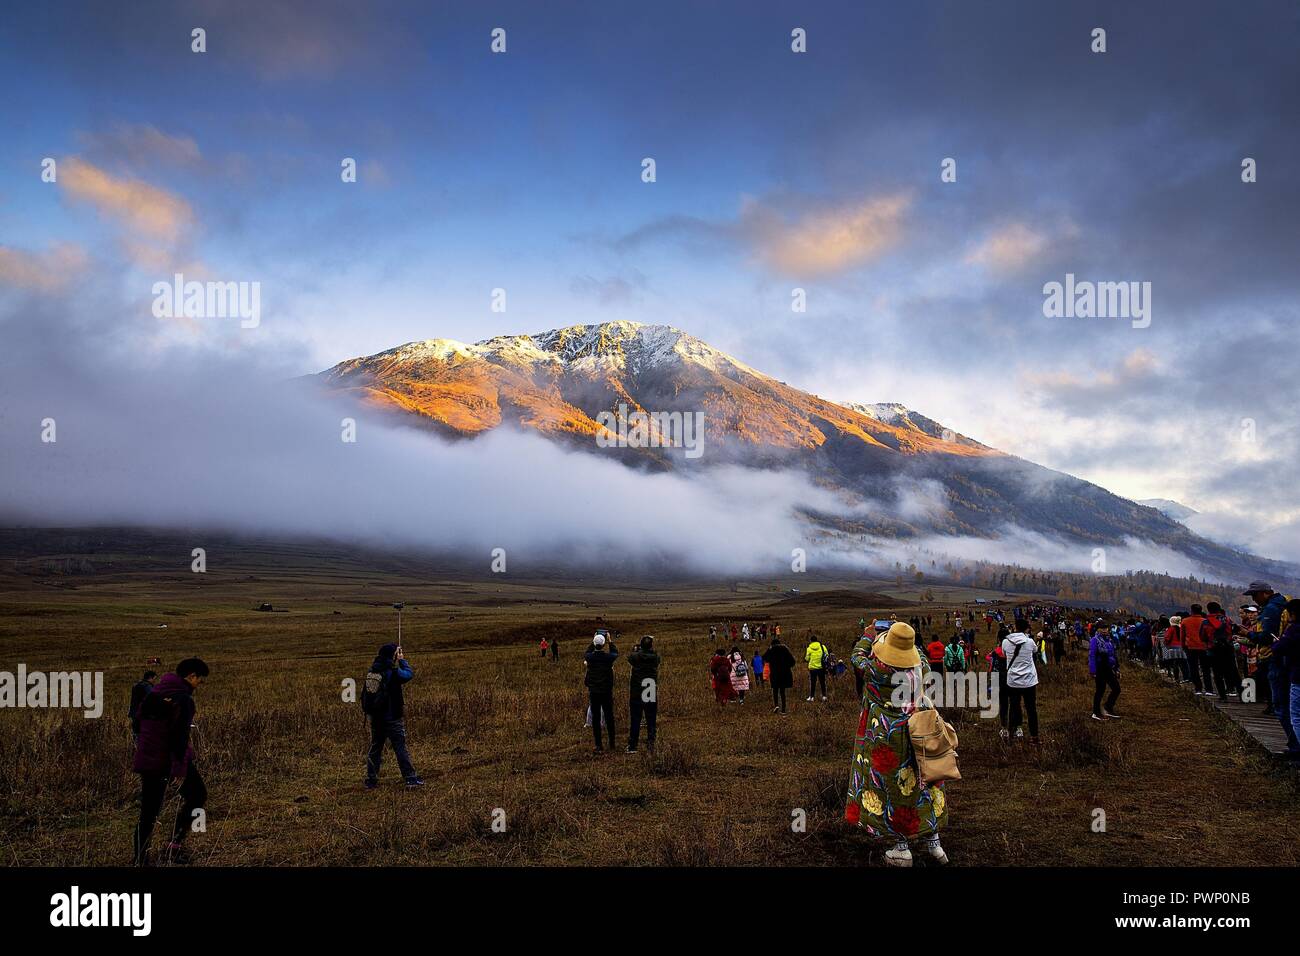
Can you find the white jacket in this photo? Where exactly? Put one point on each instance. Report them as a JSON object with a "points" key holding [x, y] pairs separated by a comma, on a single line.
{"points": [[1020, 649]]}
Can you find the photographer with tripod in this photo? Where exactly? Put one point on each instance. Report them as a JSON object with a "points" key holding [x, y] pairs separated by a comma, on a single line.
{"points": [[382, 701]]}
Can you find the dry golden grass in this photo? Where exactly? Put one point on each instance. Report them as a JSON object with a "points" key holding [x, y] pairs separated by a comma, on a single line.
{"points": [[491, 726]]}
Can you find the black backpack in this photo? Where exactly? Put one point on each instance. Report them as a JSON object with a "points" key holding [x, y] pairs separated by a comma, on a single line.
{"points": [[374, 694]]}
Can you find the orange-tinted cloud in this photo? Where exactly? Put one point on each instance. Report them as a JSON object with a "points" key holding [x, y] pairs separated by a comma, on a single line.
{"points": [[148, 210], [826, 240], [46, 271]]}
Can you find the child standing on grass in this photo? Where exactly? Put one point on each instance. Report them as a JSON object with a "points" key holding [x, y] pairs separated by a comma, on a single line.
{"points": [[739, 673], [760, 674]]}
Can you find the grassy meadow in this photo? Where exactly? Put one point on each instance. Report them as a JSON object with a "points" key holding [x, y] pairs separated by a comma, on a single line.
{"points": [[493, 726]]}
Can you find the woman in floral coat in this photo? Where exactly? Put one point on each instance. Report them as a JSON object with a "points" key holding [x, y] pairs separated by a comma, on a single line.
{"points": [[886, 795]]}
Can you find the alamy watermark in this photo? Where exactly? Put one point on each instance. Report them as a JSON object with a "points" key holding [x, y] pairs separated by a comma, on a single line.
{"points": [[1100, 300], [651, 430], [208, 300], [974, 689], [78, 690]]}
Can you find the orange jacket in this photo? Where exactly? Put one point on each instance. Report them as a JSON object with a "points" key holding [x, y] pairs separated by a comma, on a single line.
{"points": [[1194, 633]]}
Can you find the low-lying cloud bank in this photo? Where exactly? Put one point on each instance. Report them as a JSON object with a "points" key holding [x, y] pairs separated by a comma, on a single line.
{"points": [[204, 443]]}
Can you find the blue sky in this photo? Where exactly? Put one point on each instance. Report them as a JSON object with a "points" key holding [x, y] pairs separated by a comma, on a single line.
{"points": [[775, 170]]}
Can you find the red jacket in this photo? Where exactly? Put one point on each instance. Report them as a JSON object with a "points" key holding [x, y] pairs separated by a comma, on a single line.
{"points": [[1194, 633], [935, 651]]}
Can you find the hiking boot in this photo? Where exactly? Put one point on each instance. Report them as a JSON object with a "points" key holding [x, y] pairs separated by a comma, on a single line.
{"points": [[898, 856], [413, 782]]}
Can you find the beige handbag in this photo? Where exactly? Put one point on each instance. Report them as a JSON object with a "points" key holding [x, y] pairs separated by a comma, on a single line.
{"points": [[934, 741]]}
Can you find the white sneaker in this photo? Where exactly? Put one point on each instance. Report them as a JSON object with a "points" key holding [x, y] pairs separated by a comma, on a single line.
{"points": [[824, 697], [808, 700], [1003, 733], [898, 856], [936, 853], [1020, 732]]}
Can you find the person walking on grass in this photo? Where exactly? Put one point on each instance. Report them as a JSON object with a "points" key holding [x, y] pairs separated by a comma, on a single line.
{"points": [[1103, 665], [756, 668], [954, 658], [1058, 644], [780, 672], [383, 701], [599, 680], [1018, 649], [998, 665], [739, 673], [720, 677], [815, 657], [163, 753], [555, 650], [886, 795], [935, 651], [643, 697], [139, 691]]}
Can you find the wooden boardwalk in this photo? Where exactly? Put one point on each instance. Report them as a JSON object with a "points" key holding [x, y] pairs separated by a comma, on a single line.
{"points": [[1266, 731]]}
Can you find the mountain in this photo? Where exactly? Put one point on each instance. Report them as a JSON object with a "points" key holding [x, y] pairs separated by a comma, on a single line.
{"points": [[1168, 508], [899, 473]]}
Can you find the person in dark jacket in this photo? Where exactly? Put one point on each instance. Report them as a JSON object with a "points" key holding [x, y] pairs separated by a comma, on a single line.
{"points": [[780, 664], [600, 659], [1268, 630], [163, 753], [1286, 659], [643, 693], [555, 649], [139, 691], [388, 721], [1103, 665]]}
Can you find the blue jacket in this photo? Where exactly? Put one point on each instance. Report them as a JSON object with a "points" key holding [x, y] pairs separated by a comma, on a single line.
{"points": [[396, 673], [1102, 646], [1270, 616]]}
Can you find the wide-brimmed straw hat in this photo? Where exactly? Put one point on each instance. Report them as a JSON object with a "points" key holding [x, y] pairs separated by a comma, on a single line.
{"points": [[897, 646]]}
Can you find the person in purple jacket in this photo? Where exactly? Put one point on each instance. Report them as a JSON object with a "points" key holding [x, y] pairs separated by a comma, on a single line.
{"points": [[1103, 665], [163, 753]]}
